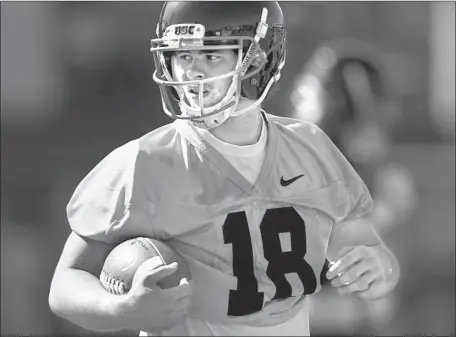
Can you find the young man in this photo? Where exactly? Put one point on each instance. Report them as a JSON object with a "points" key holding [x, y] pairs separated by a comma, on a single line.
{"points": [[255, 203]]}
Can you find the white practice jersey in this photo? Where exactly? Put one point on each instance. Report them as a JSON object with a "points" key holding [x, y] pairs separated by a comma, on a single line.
{"points": [[255, 247]]}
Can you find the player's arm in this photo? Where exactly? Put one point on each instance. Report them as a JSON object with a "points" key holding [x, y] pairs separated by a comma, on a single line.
{"points": [[363, 265], [109, 206], [76, 293]]}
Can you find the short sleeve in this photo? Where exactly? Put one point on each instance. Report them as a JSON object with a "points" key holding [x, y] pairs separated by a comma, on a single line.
{"points": [[111, 203], [347, 191]]}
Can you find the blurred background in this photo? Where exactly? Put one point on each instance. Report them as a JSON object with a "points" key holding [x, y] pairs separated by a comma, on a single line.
{"points": [[379, 77]]}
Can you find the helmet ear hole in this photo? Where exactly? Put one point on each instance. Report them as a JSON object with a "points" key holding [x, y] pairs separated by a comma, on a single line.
{"points": [[260, 59], [251, 86]]}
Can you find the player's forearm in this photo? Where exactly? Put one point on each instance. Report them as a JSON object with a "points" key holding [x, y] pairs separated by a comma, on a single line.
{"points": [[78, 296]]}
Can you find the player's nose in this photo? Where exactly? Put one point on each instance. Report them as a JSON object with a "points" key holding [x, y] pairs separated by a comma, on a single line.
{"points": [[197, 70]]}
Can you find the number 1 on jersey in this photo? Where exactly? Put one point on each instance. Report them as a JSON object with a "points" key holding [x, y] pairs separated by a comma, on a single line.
{"points": [[246, 299]]}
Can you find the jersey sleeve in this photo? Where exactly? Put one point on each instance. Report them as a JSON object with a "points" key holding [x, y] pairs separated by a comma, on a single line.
{"points": [[346, 190], [111, 203]]}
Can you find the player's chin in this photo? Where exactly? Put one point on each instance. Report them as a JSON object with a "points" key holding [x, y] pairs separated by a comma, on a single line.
{"points": [[208, 101]]}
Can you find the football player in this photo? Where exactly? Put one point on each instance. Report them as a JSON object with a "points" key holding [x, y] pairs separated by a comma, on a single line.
{"points": [[255, 203]]}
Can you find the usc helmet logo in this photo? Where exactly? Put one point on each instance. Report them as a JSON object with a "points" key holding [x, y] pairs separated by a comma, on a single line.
{"points": [[186, 31]]}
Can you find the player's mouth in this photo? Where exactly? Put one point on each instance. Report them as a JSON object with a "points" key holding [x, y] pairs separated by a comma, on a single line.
{"points": [[195, 92]]}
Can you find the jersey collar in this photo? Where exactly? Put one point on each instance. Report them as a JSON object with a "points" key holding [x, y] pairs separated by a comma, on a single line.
{"points": [[215, 157]]}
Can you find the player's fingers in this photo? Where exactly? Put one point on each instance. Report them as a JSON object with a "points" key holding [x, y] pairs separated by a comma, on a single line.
{"points": [[178, 315], [147, 266], [183, 302], [178, 292], [169, 302], [343, 264], [343, 251], [362, 284], [153, 275], [180, 309], [351, 275]]}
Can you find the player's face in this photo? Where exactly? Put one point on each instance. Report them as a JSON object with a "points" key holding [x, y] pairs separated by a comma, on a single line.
{"points": [[198, 65]]}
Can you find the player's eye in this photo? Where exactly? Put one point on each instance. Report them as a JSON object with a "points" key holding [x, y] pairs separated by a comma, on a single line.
{"points": [[212, 57], [184, 57]]}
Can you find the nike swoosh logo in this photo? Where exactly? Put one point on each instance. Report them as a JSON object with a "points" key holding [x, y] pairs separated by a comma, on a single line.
{"points": [[284, 182]]}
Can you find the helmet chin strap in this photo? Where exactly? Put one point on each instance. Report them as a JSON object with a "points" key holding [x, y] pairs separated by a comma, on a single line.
{"points": [[218, 119], [231, 111], [252, 106], [214, 120]]}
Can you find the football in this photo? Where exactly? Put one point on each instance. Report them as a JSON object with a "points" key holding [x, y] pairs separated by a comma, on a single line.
{"points": [[120, 266]]}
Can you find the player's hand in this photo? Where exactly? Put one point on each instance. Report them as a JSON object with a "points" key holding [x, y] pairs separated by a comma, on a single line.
{"points": [[147, 307], [360, 271]]}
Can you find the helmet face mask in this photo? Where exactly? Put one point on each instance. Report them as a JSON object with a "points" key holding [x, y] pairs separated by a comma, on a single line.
{"points": [[257, 38]]}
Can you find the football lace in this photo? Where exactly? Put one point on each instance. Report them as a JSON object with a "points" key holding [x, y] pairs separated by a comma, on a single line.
{"points": [[111, 284]]}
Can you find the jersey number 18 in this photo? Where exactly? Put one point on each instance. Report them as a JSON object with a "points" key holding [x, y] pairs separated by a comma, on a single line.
{"points": [[246, 299]]}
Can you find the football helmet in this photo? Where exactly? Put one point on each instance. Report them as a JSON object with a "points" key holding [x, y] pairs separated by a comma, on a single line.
{"points": [[254, 30]]}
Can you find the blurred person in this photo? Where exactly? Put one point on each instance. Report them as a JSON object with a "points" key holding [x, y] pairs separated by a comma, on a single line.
{"points": [[341, 89], [256, 204]]}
